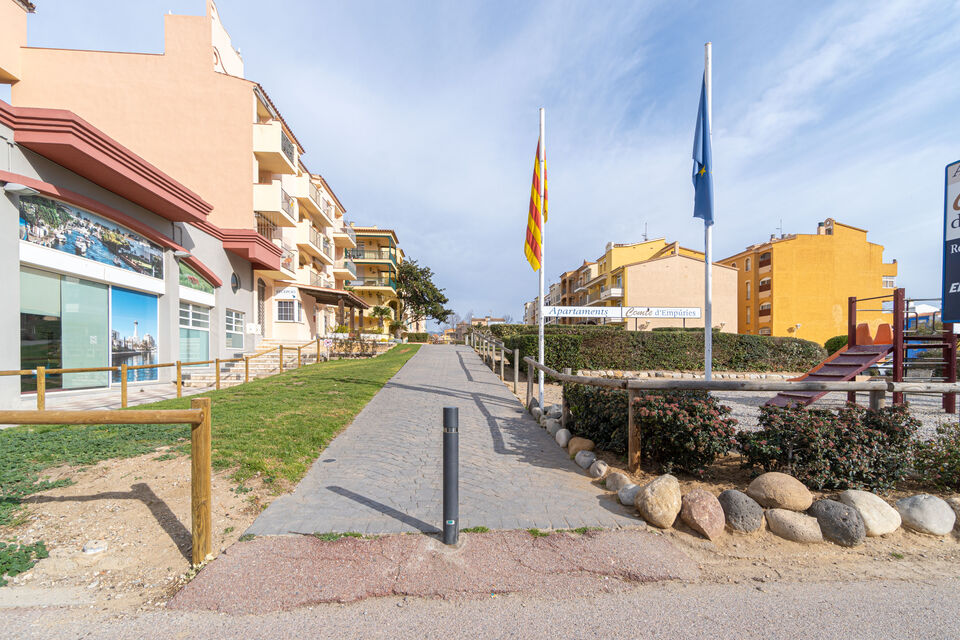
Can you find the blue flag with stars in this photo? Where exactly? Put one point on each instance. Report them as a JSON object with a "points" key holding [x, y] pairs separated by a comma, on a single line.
{"points": [[703, 163]]}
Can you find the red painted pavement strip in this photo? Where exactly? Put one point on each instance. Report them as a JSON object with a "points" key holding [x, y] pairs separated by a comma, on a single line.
{"points": [[278, 573]]}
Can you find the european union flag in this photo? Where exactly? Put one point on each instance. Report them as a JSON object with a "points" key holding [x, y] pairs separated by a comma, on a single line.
{"points": [[703, 163]]}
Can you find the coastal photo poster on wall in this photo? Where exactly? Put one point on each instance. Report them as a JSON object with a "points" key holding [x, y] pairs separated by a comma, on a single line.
{"points": [[133, 333], [60, 226]]}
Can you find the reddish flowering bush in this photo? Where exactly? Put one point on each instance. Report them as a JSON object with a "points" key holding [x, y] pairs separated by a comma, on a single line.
{"points": [[937, 461], [680, 430], [852, 448], [683, 430]]}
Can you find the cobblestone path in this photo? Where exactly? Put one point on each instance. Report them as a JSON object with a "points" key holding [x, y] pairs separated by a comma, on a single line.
{"points": [[383, 473]]}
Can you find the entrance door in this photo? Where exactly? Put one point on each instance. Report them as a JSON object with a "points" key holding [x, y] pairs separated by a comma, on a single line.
{"points": [[262, 307]]}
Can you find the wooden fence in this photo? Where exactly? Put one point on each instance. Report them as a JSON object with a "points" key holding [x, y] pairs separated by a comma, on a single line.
{"points": [[877, 390], [198, 416], [41, 373]]}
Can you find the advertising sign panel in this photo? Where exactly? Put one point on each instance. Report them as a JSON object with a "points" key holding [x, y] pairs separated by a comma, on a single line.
{"points": [[621, 313], [951, 244]]}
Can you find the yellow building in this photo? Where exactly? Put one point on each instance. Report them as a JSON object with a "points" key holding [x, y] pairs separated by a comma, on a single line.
{"points": [[376, 258], [797, 285]]}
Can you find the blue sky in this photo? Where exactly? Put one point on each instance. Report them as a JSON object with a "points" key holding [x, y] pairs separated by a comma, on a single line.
{"points": [[423, 117]]}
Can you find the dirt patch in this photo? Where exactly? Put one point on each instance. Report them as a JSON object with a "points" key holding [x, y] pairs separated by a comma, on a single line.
{"points": [[141, 508]]}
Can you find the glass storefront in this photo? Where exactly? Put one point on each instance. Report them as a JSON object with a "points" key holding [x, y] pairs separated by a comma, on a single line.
{"points": [[194, 332], [133, 333]]}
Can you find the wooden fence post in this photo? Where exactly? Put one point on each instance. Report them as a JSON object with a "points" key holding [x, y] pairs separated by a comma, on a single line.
{"points": [[179, 379], [123, 385], [299, 348], [877, 399], [41, 388], [246, 369], [502, 362], [633, 434], [516, 369], [281, 358], [200, 481], [565, 410], [216, 364], [529, 384]]}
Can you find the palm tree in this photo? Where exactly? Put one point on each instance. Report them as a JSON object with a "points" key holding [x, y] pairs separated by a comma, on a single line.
{"points": [[381, 312]]}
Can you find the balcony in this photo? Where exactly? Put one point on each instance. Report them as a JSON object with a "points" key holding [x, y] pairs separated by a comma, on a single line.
{"points": [[611, 293], [373, 281], [764, 286], [371, 255], [274, 150], [345, 236], [267, 229], [313, 243], [345, 269], [273, 203], [320, 280], [764, 313]]}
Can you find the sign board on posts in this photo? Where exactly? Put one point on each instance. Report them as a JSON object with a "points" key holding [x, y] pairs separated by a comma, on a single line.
{"points": [[621, 313], [951, 244]]}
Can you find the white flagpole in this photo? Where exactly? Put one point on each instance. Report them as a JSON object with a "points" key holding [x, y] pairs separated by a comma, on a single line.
{"points": [[708, 228], [543, 181]]}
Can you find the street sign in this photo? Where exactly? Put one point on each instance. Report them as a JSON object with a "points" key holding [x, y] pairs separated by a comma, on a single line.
{"points": [[621, 313], [951, 244]]}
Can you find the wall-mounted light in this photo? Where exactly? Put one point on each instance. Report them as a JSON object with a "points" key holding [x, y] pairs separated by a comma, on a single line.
{"points": [[180, 255], [17, 189]]}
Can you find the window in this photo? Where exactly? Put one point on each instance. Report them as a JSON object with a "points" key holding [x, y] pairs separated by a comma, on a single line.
{"points": [[746, 265], [748, 289], [194, 332], [733, 264], [234, 329], [748, 315], [765, 331], [288, 311], [889, 282]]}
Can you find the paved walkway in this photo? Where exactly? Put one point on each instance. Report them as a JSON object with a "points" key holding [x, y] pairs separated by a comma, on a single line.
{"points": [[383, 473]]}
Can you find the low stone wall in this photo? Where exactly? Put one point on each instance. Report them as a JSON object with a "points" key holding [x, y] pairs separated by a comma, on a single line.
{"points": [[717, 375]]}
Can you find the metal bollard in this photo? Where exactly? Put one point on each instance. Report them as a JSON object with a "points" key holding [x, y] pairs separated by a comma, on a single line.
{"points": [[451, 472]]}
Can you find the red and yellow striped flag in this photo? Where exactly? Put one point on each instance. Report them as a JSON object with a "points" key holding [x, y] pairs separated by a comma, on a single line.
{"points": [[533, 245]]}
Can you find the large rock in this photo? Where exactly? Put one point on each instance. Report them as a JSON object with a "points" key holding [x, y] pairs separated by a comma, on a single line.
{"points": [[839, 523], [598, 469], [702, 513], [794, 526], [553, 426], [584, 459], [779, 491], [533, 403], [562, 437], [927, 514], [954, 503], [879, 518], [659, 501], [627, 494], [543, 420], [616, 480], [741, 512], [554, 411], [536, 413], [578, 444]]}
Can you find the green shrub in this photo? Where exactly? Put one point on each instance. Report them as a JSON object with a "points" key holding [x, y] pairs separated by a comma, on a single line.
{"points": [[835, 343], [680, 430], [504, 331], [560, 350], [937, 461], [417, 337], [851, 448], [683, 430], [17, 558]]}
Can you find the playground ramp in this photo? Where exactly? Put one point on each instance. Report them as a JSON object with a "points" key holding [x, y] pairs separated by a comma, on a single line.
{"points": [[843, 365]]}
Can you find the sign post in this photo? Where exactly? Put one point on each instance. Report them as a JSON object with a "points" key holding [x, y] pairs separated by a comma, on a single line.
{"points": [[951, 244]]}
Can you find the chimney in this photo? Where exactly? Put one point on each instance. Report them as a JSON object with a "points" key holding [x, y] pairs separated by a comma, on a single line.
{"points": [[820, 229]]}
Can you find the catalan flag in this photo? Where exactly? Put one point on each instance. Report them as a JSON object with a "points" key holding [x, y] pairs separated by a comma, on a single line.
{"points": [[533, 245]]}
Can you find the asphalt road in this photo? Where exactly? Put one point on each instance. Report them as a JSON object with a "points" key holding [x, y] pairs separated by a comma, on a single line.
{"points": [[875, 610]]}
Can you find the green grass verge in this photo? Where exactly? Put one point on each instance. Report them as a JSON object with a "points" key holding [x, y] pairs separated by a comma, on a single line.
{"points": [[475, 530], [274, 427], [17, 558], [335, 535]]}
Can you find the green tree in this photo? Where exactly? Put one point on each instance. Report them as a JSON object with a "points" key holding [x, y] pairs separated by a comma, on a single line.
{"points": [[381, 313], [419, 297]]}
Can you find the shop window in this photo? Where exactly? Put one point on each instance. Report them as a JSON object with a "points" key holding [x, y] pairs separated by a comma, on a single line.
{"points": [[194, 332], [288, 311], [234, 329], [133, 324]]}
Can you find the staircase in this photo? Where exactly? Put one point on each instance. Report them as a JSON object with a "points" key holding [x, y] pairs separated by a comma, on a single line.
{"points": [[233, 373]]}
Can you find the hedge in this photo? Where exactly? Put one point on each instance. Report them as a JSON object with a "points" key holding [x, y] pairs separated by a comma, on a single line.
{"points": [[668, 350], [835, 343], [417, 337], [504, 331]]}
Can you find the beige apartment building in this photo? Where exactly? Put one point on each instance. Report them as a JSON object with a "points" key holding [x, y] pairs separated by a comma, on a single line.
{"points": [[194, 115], [378, 257]]}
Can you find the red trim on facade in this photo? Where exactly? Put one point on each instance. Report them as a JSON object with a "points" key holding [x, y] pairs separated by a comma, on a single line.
{"points": [[250, 245], [70, 141], [82, 201]]}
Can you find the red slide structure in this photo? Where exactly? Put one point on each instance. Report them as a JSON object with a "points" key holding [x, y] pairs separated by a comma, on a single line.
{"points": [[864, 351]]}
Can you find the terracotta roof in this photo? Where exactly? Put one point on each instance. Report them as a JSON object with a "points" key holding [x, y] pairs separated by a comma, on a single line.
{"points": [[279, 115]]}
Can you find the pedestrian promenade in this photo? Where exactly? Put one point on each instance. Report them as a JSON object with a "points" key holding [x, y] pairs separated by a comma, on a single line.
{"points": [[383, 473]]}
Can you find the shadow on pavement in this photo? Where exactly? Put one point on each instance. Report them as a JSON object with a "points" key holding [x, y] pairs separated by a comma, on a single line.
{"points": [[416, 523]]}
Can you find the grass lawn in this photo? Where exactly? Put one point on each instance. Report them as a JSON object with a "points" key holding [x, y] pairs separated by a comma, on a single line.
{"points": [[274, 426]]}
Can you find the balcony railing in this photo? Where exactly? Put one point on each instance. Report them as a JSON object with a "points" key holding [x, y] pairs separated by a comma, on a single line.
{"points": [[764, 286], [612, 292], [763, 313], [320, 280], [286, 203], [327, 247], [267, 229], [371, 254], [349, 266], [315, 195], [348, 231], [763, 263], [377, 281], [288, 259], [287, 147]]}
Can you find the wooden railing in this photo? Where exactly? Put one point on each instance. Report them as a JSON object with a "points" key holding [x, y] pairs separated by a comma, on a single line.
{"points": [[198, 416], [876, 389], [41, 373], [486, 345]]}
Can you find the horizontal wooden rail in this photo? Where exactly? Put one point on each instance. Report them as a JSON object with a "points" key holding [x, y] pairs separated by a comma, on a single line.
{"points": [[19, 372], [151, 366], [103, 416], [82, 370]]}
